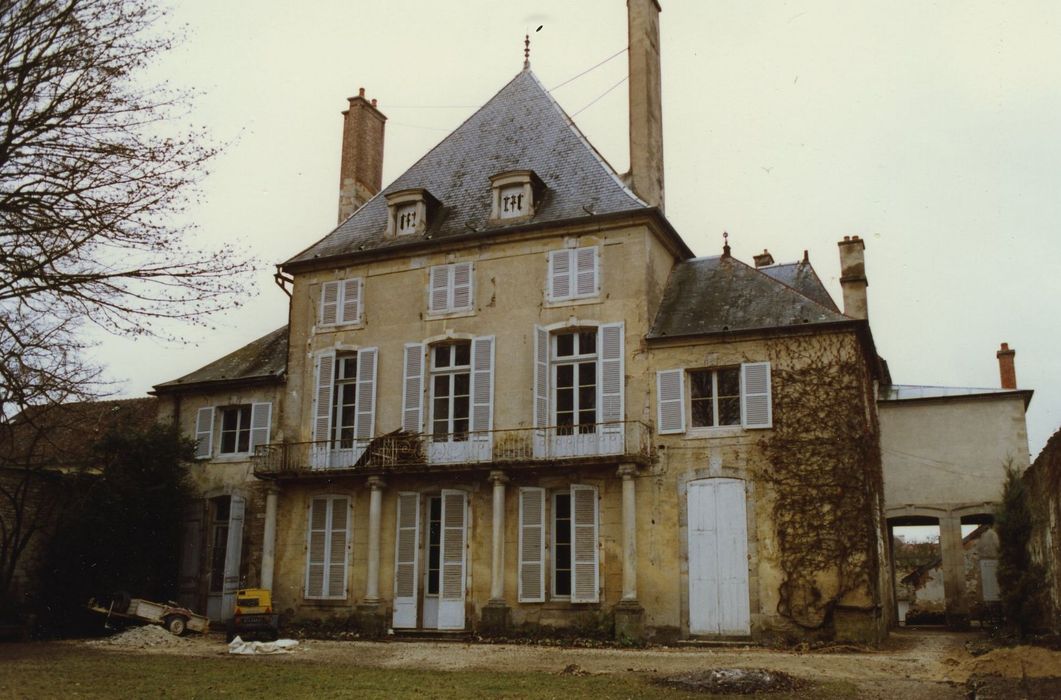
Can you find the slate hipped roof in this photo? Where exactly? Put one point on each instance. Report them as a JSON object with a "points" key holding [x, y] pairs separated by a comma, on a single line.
{"points": [[520, 128], [261, 359], [801, 277], [721, 294]]}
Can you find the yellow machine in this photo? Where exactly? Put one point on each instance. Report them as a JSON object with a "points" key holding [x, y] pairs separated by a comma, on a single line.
{"points": [[254, 615]]}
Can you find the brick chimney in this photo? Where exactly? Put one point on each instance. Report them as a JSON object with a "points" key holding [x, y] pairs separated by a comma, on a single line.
{"points": [[763, 259], [1007, 372], [646, 110], [853, 277], [361, 166]]}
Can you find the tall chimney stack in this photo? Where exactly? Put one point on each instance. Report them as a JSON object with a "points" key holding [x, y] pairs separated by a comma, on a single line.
{"points": [[853, 277], [1007, 371], [361, 165], [646, 103]]}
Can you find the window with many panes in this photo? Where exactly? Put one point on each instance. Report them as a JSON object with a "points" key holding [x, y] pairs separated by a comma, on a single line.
{"points": [[235, 429], [434, 544], [450, 391], [714, 397], [561, 544], [575, 381], [344, 402]]}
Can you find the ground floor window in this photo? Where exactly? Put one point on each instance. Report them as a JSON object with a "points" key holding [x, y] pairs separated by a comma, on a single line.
{"points": [[559, 533]]}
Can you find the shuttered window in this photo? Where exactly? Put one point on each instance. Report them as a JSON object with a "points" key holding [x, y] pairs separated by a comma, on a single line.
{"points": [[716, 398], [341, 302], [327, 547], [670, 401], [531, 545], [585, 568], [574, 273], [204, 432], [572, 531], [451, 288]]}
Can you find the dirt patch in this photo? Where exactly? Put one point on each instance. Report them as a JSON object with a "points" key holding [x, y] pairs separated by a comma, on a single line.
{"points": [[1012, 662], [736, 681], [146, 637]]}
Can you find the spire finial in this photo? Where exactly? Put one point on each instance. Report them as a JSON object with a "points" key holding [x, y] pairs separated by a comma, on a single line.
{"points": [[725, 244], [526, 51]]}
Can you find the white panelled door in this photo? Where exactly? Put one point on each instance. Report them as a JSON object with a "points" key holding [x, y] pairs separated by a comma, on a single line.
{"points": [[718, 558]]}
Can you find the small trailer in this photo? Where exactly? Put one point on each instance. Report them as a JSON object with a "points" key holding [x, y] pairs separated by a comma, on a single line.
{"points": [[174, 618]]}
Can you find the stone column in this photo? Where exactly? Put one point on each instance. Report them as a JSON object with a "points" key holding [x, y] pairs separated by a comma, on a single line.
{"points": [[272, 494], [952, 555], [629, 613], [495, 612], [375, 502]]}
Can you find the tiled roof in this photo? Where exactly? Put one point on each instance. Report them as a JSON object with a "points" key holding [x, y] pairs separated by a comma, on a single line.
{"points": [[802, 277], [723, 295], [263, 358], [520, 128]]}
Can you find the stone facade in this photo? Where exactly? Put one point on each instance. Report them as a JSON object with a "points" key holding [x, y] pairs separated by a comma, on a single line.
{"points": [[1043, 482]]}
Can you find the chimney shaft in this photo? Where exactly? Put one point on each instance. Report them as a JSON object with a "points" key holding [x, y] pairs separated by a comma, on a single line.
{"points": [[853, 277], [763, 259], [646, 110], [361, 165], [1007, 371]]}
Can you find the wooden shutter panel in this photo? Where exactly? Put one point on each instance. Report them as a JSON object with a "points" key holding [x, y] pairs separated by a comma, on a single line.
{"points": [[611, 378], [463, 285], [261, 421], [559, 274], [585, 567], [413, 388], [438, 289], [191, 554], [204, 432], [329, 314], [316, 547], [351, 301], [365, 420], [322, 401], [482, 383], [756, 404], [338, 543], [451, 577], [233, 555], [670, 401], [531, 545], [406, 538], [541, 377], [586, 278]]}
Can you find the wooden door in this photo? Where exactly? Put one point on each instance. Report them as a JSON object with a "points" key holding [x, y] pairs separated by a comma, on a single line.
{"points": [[718, 558]]}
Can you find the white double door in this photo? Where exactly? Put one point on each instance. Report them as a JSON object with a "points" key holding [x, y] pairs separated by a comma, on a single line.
{"points": [[719, 601], [430, 561]]}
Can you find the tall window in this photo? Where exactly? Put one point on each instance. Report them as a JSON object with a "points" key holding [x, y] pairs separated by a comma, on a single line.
{"points": [[344, 403], [218, 542], [715, 397], [450, 391], [562, 544], [235, 429], [575, 382], [434, 544]]}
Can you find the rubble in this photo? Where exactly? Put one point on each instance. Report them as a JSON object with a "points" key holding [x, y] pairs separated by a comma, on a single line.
{"points": [[739, 681], [145, 637]]}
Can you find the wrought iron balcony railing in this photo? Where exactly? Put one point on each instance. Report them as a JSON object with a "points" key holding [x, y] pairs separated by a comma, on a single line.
{"points": [[403, 451]]}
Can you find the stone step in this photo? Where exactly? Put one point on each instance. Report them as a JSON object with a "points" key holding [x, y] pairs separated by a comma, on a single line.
{"points": [[430, 636], [706, 642]]}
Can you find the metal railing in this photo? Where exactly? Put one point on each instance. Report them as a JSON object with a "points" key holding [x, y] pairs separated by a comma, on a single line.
{"points": [[424, 452]]}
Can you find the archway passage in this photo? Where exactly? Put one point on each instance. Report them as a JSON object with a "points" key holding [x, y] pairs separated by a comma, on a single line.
{"points": [[916, 559]]}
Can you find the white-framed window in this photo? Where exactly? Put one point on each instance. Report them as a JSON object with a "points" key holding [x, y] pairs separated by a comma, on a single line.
{"points": [[450, 402], [451, 288], [341, 302], [574, 380], [574, 273], [239, 429], [568, 519], [738, 397], [459, 388], [327, 547], [345, 400]]}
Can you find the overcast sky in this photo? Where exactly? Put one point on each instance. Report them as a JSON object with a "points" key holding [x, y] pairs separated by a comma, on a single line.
{"points": [[931, 129]]}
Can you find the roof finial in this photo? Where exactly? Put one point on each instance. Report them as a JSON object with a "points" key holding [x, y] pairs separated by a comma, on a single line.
{"points": [[725, 244], [526, 51]]}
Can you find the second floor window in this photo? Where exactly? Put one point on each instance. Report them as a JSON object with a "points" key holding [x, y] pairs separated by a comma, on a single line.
{"points": [[575, 381], [450, 390], [235, 429], [450, 288], [344, 402], [340, 302], [714, 397], [574, 273]]}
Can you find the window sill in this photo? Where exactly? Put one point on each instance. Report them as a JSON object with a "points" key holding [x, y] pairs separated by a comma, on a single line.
{"points": [[227, 458], [702, 433], [577, 301], [442, 316], [339, 327]]}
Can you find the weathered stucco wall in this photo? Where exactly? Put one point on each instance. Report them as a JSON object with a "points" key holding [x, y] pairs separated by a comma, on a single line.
{"points": [[1043, 482]]}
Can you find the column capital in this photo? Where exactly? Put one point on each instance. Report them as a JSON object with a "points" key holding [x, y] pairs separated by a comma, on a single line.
{"points": [[375, 483], [627, 471], [272, 489], [498, 477]]}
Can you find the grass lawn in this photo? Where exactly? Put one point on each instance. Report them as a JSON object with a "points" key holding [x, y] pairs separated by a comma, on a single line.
{"points": [[58, 670]]}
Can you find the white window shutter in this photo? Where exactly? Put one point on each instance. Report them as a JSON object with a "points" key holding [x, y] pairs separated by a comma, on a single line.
{"points": [[413, 388], [463, 286], [585, 567], [670, 401], [756, 402], [204, 433], [191, 553], [261, 421], [316, 547], [322, 398], [587, 283], [406, 542], [438, 289], [611, 378], [351, 303], [560, 274], [233, 555], [329, 309], [452, 575], [541, 377], [482, 384], [365, 420], [338, 544], [531, 545]]}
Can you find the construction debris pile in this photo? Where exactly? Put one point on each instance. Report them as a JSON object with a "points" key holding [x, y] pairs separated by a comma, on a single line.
{"points": [[144, 637]]}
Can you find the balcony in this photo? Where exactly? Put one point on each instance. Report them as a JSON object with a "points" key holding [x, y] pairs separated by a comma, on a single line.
{"points": [[626, 441]]}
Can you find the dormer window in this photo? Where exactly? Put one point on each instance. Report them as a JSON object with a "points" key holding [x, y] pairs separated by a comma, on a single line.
{"points": [[410, 212], [516, 195]]}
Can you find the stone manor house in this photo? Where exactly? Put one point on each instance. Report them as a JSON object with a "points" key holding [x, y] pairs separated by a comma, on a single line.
{"points": [[510, 395]]}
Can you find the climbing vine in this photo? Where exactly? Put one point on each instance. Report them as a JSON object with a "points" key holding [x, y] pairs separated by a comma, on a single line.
{"points": [[825, 473]]}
